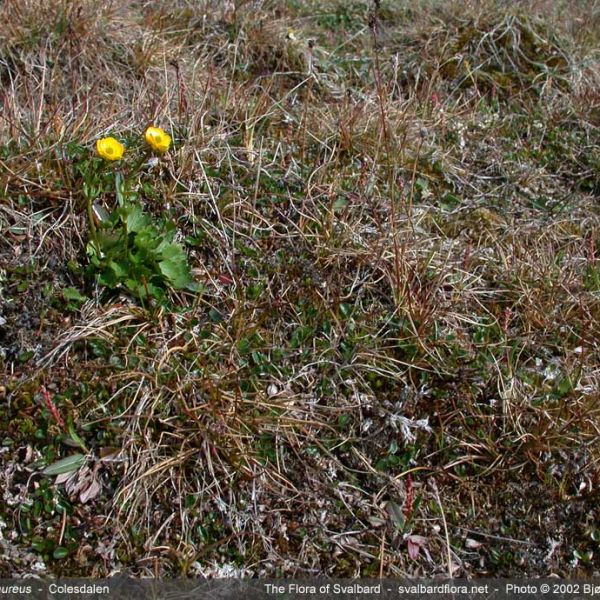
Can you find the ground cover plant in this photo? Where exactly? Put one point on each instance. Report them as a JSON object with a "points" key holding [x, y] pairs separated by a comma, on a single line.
{"points": [[342, 320]]}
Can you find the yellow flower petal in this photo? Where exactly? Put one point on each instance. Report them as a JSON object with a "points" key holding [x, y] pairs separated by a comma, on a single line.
{"points": [[109, 148], [158, 139]]}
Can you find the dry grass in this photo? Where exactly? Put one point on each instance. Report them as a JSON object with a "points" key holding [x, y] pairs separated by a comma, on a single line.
{"points": [[394, 215]]}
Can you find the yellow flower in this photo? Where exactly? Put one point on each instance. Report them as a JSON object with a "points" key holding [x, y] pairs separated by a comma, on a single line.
{"points": [[110, 149], [158, 139]]}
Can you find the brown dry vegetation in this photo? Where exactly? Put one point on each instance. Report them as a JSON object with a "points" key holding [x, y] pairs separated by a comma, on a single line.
{"points": [[394, 216]]}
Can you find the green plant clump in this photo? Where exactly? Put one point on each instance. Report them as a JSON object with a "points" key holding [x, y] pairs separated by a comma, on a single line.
{"points": [[128, 248], [133, 251]]}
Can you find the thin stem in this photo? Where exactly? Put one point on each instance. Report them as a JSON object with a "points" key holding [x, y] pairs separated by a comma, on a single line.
{"points": [[388, 150], [93, 230]]}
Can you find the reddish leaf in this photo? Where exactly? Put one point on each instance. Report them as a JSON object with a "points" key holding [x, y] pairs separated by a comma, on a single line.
{"points": [[225, 279], [51, 406], [413, 549], [415, 543], [410, 496], [91, 492]]}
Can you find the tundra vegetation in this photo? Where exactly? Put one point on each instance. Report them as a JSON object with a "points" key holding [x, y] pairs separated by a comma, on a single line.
{"points": [[344, 321]]}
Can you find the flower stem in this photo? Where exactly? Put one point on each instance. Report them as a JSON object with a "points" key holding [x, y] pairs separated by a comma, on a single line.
{"points": [[93, 230]]}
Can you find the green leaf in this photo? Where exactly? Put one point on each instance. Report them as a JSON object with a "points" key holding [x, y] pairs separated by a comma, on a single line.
{"points": [[65, 465], [172, 251], [75, 437], [25, 356], [421, 184], [300, 335], [119, 269], [38, 543], [148, 239], [119, 188], [343, 420], [254, 290], [60, 553], [449, 201], [73, 297], [247, 250], [174, 265], [215, 316], [396, 515], [135, 286], [134, 217], [563, 386], [71, 293], [345, 309], [340, 203], [177, 273], [89, 191]]}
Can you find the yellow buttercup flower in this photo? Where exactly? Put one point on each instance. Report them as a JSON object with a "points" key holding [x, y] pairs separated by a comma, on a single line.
{"points": [[158, 139], [110, 149]]}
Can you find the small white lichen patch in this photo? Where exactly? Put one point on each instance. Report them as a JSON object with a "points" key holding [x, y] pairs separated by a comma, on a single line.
{"points": [[406, 426]]}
